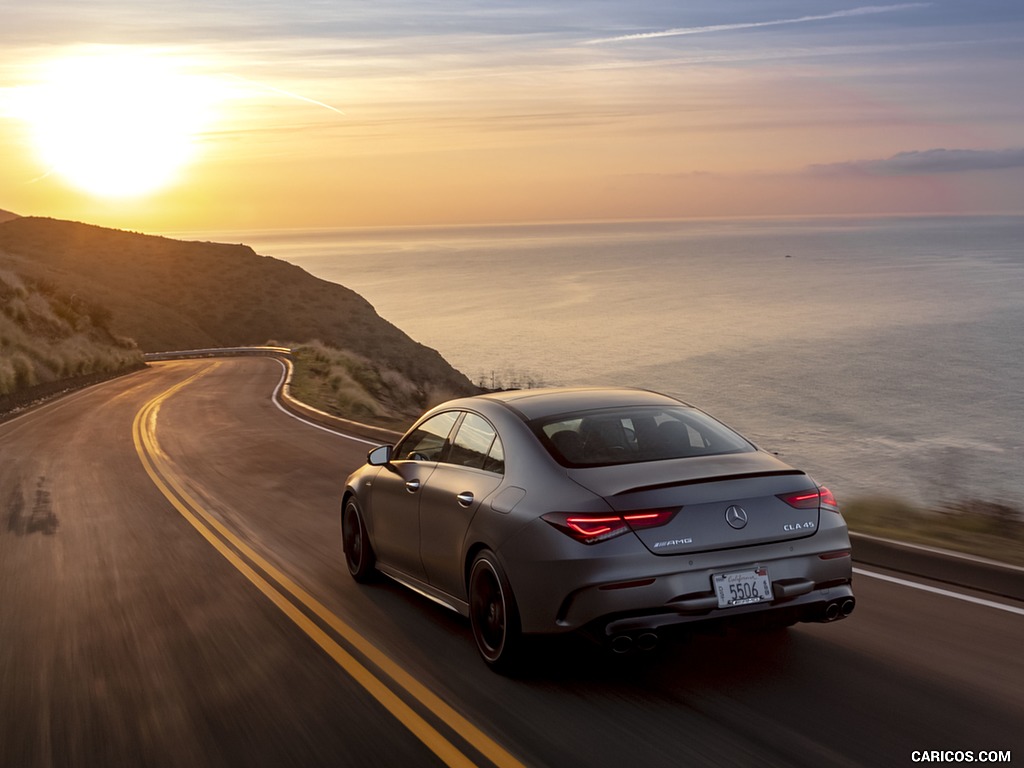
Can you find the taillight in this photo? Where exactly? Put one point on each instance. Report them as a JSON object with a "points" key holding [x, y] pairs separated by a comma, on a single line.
{"points": [[828, 500], [590, 529], [802, 500], [820, 497]]}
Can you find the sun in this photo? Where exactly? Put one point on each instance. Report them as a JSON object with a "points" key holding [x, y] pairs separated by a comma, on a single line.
{"points": [[118, 123]]}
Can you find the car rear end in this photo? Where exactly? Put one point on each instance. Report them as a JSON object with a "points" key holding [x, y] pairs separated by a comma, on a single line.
{"points": [[728, 534]]}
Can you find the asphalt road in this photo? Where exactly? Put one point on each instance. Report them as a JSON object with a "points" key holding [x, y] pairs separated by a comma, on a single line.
{"points": [[172, 593]]}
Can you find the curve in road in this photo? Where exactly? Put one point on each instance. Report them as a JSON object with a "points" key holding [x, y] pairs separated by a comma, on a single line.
{"points": [[126, 639]]}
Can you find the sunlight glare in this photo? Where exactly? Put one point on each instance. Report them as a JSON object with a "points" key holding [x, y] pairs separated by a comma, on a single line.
{"points": [[118, 123]]}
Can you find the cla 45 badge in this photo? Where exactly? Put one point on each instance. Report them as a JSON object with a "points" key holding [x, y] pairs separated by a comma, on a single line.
{"points": [[798, 526]]}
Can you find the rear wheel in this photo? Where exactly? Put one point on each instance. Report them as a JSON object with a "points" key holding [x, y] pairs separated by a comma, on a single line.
{"points": [[359, 556], [493, 615]]}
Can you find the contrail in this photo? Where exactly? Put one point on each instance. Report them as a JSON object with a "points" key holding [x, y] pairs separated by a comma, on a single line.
{"points": [[862, 11], [49, 172], [289, 94]]}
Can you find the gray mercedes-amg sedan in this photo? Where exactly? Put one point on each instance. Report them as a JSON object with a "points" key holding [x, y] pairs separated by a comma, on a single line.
{"points": [[621, 513]]}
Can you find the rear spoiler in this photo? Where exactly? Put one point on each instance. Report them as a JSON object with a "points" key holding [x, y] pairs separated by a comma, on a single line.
{"points": [[715, 479]]}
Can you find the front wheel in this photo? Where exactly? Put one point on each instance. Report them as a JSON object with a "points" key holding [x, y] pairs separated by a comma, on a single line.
{"points": [[359, 556], [493, 615]]}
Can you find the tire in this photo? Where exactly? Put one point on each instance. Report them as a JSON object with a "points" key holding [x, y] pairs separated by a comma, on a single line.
{"points": [[494, 616], [359, 556]]}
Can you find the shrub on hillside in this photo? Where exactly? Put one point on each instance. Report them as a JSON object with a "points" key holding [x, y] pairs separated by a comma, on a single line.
{"points": [[46, 336], [346, 384]]}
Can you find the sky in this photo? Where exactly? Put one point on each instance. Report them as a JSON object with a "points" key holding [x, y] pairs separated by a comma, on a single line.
{"points": [[268, 114]]}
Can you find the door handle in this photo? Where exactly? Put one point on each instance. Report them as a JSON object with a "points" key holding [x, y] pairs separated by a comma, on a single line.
{"points": [[412, 486], [465, 498]]}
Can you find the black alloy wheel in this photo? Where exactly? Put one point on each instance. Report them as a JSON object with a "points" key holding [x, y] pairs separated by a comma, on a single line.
{"points": [[359, 555], [493, 614]]}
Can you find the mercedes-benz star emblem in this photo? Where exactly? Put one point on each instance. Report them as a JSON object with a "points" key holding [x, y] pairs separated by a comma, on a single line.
{"points": [[736, 516]]}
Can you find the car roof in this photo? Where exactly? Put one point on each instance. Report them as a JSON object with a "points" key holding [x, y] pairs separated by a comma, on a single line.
{"points": [[550, 401]]}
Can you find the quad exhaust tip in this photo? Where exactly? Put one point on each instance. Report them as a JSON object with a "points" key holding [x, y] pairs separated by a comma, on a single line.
{"points": [[648, 641], [622, 644], [839, 609], [645, 641]]}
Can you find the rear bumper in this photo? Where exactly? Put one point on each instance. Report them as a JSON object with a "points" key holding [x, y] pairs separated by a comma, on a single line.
{"points": [[819, 605], [629, 591]]}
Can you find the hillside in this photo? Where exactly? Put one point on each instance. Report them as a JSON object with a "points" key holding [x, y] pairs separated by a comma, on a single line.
{"points": [[47, 336], [170, 294]]}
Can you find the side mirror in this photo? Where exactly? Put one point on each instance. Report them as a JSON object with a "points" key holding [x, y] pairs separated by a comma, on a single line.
{"points": [[379, 457]]}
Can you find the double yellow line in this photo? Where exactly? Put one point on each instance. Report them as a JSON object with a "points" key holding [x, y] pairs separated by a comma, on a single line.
{"points": [[287, 596]]}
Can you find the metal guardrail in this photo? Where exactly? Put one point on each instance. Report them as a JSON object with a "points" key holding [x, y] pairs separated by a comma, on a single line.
{"points": [[939, 565], [186, 354]]}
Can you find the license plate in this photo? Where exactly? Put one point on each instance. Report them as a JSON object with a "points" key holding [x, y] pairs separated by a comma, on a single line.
{"points": [[742, 587]]}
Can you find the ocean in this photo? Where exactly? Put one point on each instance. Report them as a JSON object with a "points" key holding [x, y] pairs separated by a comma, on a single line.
{"points": [[883, 355]]}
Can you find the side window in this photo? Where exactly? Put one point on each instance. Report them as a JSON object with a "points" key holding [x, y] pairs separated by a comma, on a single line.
{"points": [[427, 441], [496, 458], [477, 445]]}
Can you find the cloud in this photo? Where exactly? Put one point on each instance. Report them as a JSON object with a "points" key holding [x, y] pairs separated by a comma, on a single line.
{"points": [[918, 162], [862, 11]]}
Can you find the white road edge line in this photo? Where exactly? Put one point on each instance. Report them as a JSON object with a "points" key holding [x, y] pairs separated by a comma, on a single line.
{"points": [[943, 592], [276, 400]]}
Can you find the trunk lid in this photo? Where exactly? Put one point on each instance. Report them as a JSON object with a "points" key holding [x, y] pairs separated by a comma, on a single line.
{"points": [[725, 501]]}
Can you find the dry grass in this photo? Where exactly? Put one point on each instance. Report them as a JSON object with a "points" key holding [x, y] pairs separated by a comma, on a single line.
{"points": [[349, 385], [47, 336], [983, 528]]}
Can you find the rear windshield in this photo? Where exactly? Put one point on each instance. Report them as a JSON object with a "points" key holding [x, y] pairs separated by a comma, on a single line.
{"points": [[631, 435]]}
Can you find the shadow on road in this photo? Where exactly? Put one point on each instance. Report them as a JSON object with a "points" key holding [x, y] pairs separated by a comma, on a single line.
{"points": [[41, 518]]}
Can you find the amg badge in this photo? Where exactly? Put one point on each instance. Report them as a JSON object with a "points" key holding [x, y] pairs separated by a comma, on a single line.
{"points": [[672, 543]]}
